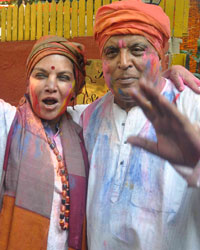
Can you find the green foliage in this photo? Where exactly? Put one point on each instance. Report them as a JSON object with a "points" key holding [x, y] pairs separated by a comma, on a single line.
{"points": [[4, 2], [188, 54], [197, 75], [196, 58], [19, 2]]}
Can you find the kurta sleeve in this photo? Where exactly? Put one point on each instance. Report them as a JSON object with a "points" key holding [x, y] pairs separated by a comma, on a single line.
{"points": [[7, 113], [189, 104], [76, 111]]}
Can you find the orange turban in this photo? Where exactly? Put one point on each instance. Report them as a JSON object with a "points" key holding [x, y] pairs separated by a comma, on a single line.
{"points": [[49, 45], [133, 17]]}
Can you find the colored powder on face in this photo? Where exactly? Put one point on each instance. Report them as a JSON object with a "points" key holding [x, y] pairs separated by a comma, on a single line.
{"points": [[121, 92], [67, 97], [52, 67], [34, 98], [122, 44], [106, 74], [66, 101], [148, 66], [73, 84], [152, 67]]}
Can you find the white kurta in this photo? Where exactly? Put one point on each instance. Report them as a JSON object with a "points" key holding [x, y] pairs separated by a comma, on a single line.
{"points": [[135, 199]]}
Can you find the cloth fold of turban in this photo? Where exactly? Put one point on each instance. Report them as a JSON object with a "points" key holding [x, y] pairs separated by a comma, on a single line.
{"points": [[50, 45], [133, 17]]}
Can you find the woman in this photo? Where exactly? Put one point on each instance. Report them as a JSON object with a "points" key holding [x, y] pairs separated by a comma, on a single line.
{"points": [[136, 200], [43, 184]]}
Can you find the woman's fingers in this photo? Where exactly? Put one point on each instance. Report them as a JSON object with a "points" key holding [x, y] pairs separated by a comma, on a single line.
{"points": [[193, 83], [180, 76]]}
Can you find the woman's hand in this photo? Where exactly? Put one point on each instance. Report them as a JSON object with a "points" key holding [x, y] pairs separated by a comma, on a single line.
{"points": [[178, 141], [180, 76]]}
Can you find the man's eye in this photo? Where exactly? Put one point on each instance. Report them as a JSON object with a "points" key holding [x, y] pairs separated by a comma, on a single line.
{"points": [[112, 52], [138, 51]]}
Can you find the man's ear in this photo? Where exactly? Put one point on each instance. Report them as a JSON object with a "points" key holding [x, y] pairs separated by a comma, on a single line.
{"points": [[165, 62]]}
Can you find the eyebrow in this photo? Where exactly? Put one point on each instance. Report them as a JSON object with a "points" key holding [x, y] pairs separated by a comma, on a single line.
{"points": [[40, 69], [137, 44], [110, 47], [116, 46], [46, 71], [66, 71]]}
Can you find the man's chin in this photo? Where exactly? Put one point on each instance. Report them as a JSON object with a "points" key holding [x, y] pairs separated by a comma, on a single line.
{"points": [[125, 102]]}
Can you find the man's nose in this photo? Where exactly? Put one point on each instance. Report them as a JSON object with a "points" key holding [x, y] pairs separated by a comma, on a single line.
{"points": [[125, 59]]}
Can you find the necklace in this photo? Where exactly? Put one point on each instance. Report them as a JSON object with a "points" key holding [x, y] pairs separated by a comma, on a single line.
{"points": [[65, 197]]}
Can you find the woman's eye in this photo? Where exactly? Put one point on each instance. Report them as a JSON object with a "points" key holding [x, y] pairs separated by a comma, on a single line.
{"points": [[64, 78], [40, 75]]}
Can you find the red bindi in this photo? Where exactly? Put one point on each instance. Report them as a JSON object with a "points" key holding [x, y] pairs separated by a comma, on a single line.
{"points": [[52, 67]]}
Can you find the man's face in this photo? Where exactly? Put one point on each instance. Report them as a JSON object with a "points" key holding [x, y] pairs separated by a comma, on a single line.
{"points": [[125, 59]]}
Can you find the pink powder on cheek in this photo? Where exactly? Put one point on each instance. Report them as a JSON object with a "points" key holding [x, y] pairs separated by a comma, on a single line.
{"points": [[145, 56], [66, 101], [152, 65], [106, 73], [34, 100]]}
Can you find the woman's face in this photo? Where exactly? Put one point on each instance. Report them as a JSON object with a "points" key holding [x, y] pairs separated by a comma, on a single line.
{"points": [[51, 85]]}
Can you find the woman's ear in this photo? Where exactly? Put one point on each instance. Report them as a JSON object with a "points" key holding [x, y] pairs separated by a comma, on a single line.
{"points": [[27, 86], [73, 96], [27, 89]]}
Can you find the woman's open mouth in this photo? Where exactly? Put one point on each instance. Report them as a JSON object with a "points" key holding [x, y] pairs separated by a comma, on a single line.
{"points": [[50, 102]]}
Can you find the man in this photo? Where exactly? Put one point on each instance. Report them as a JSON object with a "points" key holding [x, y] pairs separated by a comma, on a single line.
{"points": [[137, 200]]}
